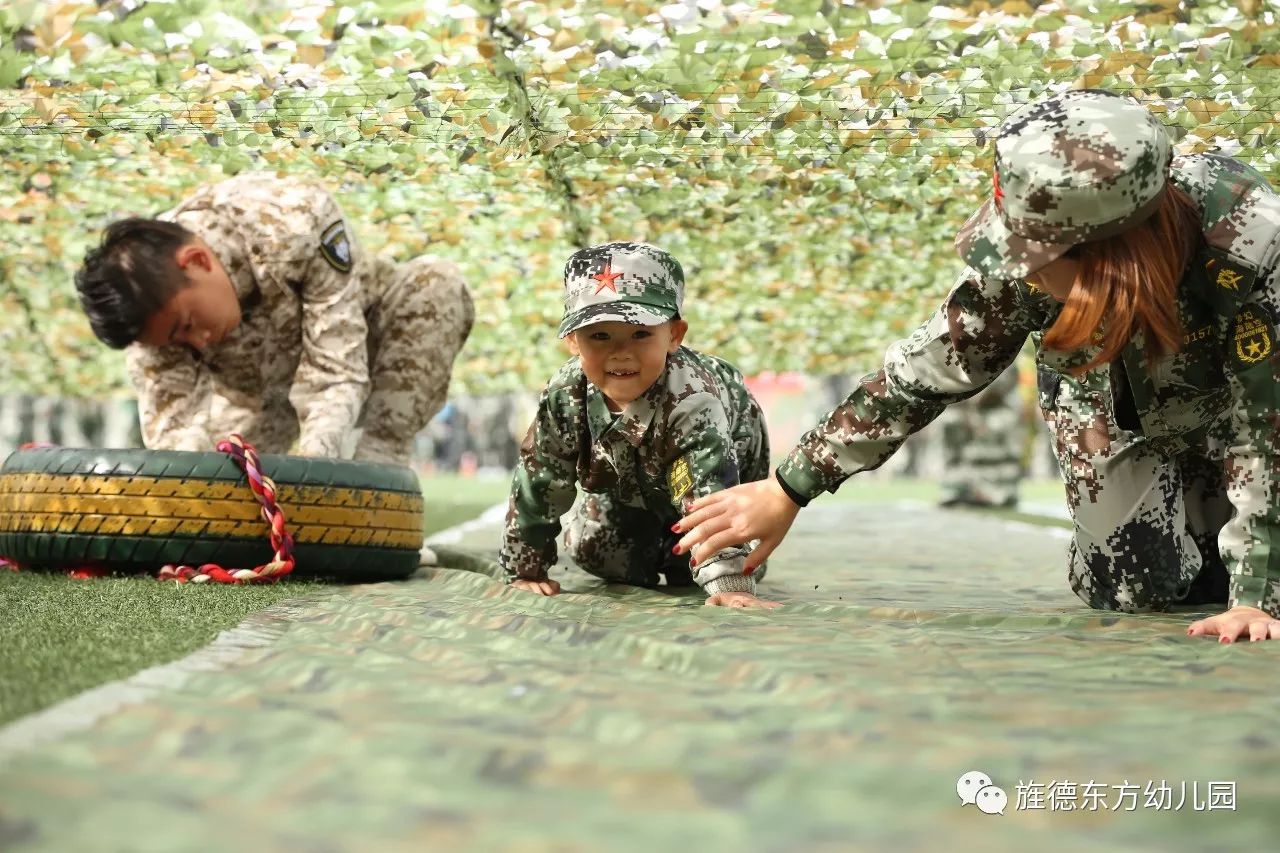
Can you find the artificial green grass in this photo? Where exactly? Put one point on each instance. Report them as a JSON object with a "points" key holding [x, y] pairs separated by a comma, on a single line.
{"points": [[62, 636], [59, 636]]}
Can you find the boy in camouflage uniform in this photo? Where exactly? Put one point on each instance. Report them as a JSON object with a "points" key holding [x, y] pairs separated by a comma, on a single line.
{"points": [[250, 308], [1171, 463], [644, 424]]}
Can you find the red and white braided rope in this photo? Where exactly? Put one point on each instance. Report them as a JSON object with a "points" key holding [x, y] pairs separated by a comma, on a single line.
{"points": [[264, 489]]}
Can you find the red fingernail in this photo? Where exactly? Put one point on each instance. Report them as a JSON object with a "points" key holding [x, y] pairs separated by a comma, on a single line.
{"points": [[675, 528], [693, 561], [675, 550]]}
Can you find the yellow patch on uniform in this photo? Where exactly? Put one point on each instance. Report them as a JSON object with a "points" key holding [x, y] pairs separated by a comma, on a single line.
{"points": [[679, 480], [1228, 275], [1253, 337], [334, 247], [1229, 279]]}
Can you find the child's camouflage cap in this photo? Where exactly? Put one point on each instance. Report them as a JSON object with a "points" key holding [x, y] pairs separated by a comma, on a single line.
{"points": [[622, 282], [1083, 165]]}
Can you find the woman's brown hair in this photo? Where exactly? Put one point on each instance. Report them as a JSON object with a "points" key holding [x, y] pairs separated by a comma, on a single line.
{"points": [[1129, 282]]}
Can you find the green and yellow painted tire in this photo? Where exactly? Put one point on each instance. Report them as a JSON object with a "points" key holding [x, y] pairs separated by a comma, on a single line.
{"points": [[136, 510]]}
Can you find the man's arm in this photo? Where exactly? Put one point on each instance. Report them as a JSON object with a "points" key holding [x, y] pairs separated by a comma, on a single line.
{"points": [[542, 490], [332, 378], [174, 397], [973, 337]]}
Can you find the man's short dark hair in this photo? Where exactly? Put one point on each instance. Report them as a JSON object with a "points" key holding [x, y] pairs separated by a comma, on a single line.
{"points": [[130, 276]]}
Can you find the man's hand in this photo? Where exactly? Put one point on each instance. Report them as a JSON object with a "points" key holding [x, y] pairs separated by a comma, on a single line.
{"points": [[759, 510], [1238, 622], [547, 587], [739, 599]]}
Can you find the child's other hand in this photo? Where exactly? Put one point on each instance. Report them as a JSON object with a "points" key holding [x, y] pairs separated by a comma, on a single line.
{"points": [[1237, 622], [546, 587], [739, 599]]}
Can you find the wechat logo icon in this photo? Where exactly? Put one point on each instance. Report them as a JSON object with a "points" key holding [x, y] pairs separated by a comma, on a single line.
{"points": [[975, 789]]}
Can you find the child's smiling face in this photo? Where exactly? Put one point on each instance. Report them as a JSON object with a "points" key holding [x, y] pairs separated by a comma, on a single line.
{"points": [[622, 359]]}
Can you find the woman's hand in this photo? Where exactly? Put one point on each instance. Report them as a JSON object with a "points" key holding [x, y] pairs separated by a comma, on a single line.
{"points": [[759, 510], [1238, 622], [547, 587]]}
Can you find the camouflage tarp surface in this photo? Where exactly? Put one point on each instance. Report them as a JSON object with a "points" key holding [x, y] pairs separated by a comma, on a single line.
{"points": [[450, 711]]}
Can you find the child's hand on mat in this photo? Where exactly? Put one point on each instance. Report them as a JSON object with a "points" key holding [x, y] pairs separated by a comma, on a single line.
{"points": [[1237, 622], [739, 599], [759, 510], [546, 587]]}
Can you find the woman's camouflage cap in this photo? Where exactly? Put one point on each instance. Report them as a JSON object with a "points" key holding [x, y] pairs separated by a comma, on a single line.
{"points": [[1083, 165], [621, 282]]}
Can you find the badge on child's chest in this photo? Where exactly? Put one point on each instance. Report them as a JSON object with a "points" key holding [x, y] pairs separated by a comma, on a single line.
{"points": [[679, 480], [1252, 336]]}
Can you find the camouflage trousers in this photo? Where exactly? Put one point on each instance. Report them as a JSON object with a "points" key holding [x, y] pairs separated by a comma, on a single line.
{"points": [[983, 442], [624, 544], [416, 331], [1146, 524], [418, 320]]}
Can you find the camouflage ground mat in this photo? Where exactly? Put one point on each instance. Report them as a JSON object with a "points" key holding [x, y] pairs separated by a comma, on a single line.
{"points": [[916, 646]]}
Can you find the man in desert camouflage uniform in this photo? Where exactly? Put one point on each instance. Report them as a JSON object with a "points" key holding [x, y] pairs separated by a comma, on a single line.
{"points": [[983, 441], [325, 337], [694, 430], [1143, 453]]}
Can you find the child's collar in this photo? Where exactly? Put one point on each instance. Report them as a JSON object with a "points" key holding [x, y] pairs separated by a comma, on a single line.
{"points": [[633, 422]]}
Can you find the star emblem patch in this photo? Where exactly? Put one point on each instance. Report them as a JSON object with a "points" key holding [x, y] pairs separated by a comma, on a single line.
{"points": [[606, 279], [1253, 337]]}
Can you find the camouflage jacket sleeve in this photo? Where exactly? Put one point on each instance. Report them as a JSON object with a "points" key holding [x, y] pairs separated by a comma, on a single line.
{"points": [[1250, 541], [542, 490], [332, 378], [707, 463], [973, 337], [174, 397]]}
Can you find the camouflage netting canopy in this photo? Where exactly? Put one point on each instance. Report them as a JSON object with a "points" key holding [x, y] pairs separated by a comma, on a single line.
{"points": [[807, 160]]}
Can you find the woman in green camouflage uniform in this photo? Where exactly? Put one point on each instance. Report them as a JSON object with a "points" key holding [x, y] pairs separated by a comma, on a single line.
{"points": [[1148, 283]]}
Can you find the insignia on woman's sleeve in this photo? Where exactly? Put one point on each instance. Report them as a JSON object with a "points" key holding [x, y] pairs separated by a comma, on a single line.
{"points": [[1253, 338], [1226, 274], [679, 480], [334, 247]]}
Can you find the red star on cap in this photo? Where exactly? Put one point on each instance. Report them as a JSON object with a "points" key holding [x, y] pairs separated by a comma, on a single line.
{"points": [[606, 279], [996, 192]]}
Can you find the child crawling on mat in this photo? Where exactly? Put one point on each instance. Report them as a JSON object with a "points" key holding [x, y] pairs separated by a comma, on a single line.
{"points": [[645, 425]]}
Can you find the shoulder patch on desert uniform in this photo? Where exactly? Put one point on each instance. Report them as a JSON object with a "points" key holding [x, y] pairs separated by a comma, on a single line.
{"points": [[679, 480], [334, 247], [1252, 335]]}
